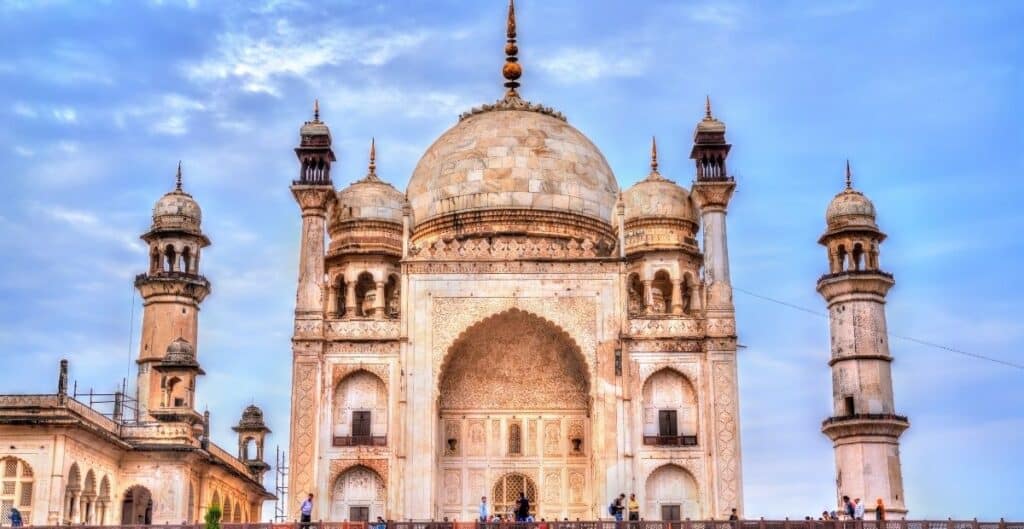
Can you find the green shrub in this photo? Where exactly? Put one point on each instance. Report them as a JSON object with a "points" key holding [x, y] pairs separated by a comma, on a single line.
{"points": [[213, 517]]}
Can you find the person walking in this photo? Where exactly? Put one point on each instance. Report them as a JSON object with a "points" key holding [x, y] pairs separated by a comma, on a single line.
{"points": [[848, 508], [858, 509], [307, 512], [522, 508], [634, 508], [16, 517], [879, 509], [482, 516]]}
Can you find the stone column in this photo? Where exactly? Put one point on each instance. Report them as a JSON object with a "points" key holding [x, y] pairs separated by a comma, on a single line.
{"points": [[313, 200], [695, 304], [712, 197], [332, 300], [350, 300], [677, 296], [378, 302], [648, 296]]}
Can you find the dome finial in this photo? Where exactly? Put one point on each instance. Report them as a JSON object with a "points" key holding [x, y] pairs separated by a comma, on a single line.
{"points": [[654, 155], [849, 176], [373, 159], [512, 69], [316, 109], [707, 107], [177, 178]]}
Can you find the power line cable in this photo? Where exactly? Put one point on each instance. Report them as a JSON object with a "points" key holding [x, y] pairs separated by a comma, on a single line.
{"points": [[890, 335]]}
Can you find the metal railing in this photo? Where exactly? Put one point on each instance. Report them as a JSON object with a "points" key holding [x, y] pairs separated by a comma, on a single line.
{"points": [[361, 440], [670, 440], [596, 524]]}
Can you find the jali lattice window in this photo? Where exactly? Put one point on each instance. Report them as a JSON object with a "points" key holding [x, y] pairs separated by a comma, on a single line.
{"points": [[506, 493], [16, 490]]}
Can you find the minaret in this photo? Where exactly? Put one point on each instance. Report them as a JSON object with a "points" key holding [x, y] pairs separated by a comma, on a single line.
{"points": [[314, 193], [864, 427], [252, 432], [712, 189], [171, 291]]}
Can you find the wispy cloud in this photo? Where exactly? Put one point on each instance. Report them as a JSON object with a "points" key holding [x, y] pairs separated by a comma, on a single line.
{"points": [[574, 65], [257, 59], [167, 114], [91, 225]]}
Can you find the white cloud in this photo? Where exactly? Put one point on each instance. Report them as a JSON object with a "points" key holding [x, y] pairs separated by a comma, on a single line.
{"points": [[24, 151], [91, 225], [256, 60], [65, 114], [167, 114], [573, 65], [23, 110], [717, 14]]}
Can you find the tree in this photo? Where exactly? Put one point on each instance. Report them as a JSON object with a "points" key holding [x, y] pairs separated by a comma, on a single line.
{"points": [[213, 517]]}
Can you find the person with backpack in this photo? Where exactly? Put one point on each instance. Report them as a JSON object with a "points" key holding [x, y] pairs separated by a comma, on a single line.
{"points": [[616, 508]]}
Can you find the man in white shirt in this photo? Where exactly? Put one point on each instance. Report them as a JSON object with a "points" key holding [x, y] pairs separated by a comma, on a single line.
{"points": [[858, 509], [483, 510], [307, 511]]}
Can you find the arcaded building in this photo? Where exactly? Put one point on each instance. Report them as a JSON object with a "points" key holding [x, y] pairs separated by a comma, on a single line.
{"points": [[145, 457], [513, 321]]}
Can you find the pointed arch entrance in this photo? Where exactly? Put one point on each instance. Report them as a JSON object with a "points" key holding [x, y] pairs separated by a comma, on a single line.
{"points": [[137, 506], [514, 402]]}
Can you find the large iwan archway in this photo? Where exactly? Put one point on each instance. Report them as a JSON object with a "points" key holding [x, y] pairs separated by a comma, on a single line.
{"points": [[514, 395], [671, 495]]}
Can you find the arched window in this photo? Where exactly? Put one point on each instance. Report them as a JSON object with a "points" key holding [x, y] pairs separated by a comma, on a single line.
{"points": [[841, 255], [170, 259], [88, 503], [154, 261], [366, 295], [858, 256], [227, 510], [634, 295], [186, 260], [360, 410], [670, 410], [137, 506], [506, 493], [392, 297], [72, 492], [671, 495], [236, 513], [16, 490], [515, 439], [358, 494], [103, 501], [661, 292]]}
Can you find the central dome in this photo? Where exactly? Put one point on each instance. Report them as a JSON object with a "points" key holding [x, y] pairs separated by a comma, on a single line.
{"points": [[501, 159]]}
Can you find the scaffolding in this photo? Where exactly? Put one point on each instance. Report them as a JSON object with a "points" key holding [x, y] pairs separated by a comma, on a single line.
{"points": [[280, 485], [117, 406]]}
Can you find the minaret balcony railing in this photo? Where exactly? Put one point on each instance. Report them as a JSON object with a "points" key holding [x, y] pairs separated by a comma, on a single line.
{"points": [[670, 440], [360, 440], [865, 416]]}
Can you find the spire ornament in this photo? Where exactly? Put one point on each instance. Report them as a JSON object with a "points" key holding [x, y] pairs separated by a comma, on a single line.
{"points": [[707, 107], [371, 174], [177, 178], [654, 155], [849, 176], [316, 110], [512, 70]]}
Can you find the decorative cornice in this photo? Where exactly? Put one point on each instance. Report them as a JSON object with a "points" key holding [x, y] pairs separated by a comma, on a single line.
{"points": [[874, 424], [853, 282], [513, 102], [711, 195]]}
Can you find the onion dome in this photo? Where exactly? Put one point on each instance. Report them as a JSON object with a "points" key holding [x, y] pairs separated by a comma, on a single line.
{"points": [[252, 420], [180, 355], [850, 208], [512, 167], [709, 124], [659, 214], [367, 215], [315, 128], [177, 211]]}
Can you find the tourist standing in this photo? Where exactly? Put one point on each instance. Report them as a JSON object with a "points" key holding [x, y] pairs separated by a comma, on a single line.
{"points": [[848, 507], [634, 508], [734, 516], [522, 508], [15, 517], [307, 512], [483, 510], [618, 507], [858, 509], [879, 510]]}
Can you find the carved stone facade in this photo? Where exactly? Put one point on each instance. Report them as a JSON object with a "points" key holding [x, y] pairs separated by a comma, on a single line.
{"points": [[532, 330]]}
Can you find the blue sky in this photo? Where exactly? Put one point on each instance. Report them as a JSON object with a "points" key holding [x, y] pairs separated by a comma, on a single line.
{"points": [[101, 99]]}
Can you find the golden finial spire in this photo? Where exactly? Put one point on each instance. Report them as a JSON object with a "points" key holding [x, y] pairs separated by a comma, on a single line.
{"points": [[316, 109], [849, 176], [373, 157], [707, 107], [512, 69], [654, 155], [177, 178]]}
